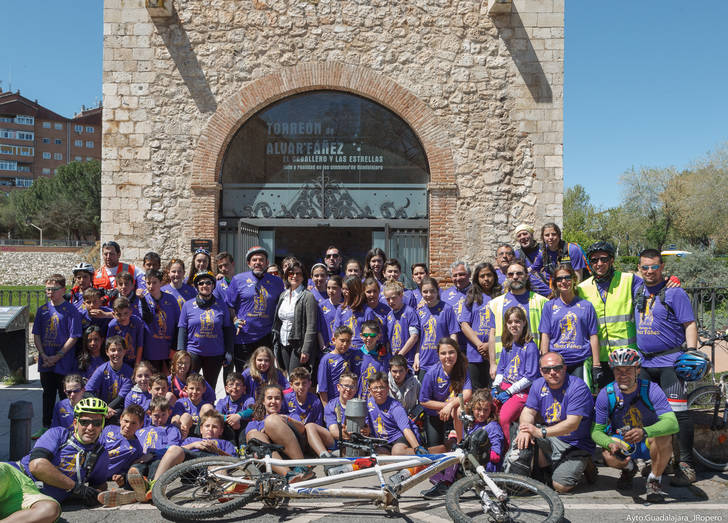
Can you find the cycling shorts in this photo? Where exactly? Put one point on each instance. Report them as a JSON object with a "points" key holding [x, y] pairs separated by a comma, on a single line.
{"points": [[672, 386]]}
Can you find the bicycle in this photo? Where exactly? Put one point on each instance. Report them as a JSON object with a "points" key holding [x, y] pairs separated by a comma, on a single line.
{"points": [[214, 486], [708, 407]]}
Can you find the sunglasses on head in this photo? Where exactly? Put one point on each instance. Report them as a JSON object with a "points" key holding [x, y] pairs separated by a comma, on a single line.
{"points": [[84, 422], [555, 368]]}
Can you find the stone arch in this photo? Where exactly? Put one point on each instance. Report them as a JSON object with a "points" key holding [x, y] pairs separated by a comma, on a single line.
{"points": [[235, 110]]}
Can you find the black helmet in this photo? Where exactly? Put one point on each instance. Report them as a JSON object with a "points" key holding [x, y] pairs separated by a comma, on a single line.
{"points": [[600, 246], [204, 275]]}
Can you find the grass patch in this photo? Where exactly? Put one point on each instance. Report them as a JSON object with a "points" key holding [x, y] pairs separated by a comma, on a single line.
{"points": [[16, 295]]}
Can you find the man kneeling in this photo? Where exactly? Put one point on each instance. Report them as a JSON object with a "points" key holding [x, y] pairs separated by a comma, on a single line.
{"points": [[634, 420]]}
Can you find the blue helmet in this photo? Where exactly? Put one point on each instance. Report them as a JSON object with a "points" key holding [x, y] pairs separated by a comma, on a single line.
{"points": [[692, 365]]}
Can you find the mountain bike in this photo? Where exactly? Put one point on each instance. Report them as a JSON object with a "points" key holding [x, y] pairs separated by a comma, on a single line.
{"points": [[214, 486], [708, 407]]}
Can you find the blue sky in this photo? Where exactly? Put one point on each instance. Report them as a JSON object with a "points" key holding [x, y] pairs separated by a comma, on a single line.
{"points": [[645, 81]]}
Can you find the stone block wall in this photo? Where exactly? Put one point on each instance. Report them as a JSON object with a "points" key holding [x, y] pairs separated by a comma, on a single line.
{"points": [[483, 93]]}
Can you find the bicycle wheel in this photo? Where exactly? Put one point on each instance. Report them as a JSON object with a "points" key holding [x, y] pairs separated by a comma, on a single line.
{"points": [[528, 500], [710, 446], [188, 492]]}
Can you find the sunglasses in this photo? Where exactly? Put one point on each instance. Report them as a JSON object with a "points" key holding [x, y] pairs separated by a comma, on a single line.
{"points": [[648, 267], [204, 282], [555, 368], [85, 422], [562, 278], [602, 259], [368, 334], [333, 255], [74, 391], [53, 289]]}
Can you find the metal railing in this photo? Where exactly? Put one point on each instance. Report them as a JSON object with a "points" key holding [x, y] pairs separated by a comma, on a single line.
{"points": [[710, 306], [33, 298], [47, 243]]}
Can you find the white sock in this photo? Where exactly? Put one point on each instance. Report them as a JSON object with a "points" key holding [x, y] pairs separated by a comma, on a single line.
{"points": [[653, 477]]}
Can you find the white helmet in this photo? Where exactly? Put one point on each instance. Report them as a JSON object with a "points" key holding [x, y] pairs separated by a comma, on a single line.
{"points": [[83, 267]]}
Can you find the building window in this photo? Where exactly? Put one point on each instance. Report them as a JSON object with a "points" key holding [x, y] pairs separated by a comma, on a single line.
{"points": [[58, 126], [7, 149], [78, 128], [77, 159], [25, 120], [23, 182], [24, 135], [89, 129], [46, 125], [8, 166], [78, 143], [7, 133], [24, 168], [89, 158], [6, 119], [46, 140], [46, 156], [46, 170], [26, 151], [58, 141], [55, 171], [89, 145], [58, 156]]}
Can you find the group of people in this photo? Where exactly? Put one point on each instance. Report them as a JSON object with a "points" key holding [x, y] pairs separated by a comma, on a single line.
{"points": [[130, 357]]}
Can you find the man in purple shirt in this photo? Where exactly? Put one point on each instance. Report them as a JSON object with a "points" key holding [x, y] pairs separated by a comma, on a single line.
{"points": [[253, 296], [565, 403], [454, 296], [665, 323], [504, 256]]}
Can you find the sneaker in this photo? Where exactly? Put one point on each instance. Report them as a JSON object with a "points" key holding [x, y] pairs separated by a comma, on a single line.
{"points": [[437, 491], [590, 472], [625, 479], [38, 434], [138, 483], [655, 493], [117, 497], [684, 476], [299, 474]]}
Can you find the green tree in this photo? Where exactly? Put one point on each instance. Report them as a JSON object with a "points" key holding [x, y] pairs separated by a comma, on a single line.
{"points": [[580, 216]]}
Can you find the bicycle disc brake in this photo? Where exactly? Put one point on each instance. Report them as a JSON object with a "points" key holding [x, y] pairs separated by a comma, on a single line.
{"points": [[267, 484]]}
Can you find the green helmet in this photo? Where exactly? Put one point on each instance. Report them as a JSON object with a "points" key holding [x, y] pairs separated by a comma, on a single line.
{"points": [[90, 406]]}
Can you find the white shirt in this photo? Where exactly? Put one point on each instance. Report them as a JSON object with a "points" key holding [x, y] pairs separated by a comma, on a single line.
{"points": [[286, 312]]}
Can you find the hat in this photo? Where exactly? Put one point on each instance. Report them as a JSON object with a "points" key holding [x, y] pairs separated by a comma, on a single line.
{"points": [[256, 249], [523, 227]]}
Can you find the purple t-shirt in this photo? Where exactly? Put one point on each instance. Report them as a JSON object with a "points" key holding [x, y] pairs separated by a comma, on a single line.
{"points": [[87, 320], [417, 299], [185, 405], [160, 335], [387, 420], [227, 405], [64, 459], [220, 291], [630, 409], [54, 325], [137, 396], [251, 384], [330, 416], [222, 444], [184, 293], [370, 364], [436, 322], [658, 330], [63, 414], [519, 362], [93, 364], [478, 317], [455, 297], [353, 319], [254, 300], [133, 335], [122, 452], [409, 298], [569, 327], [320, 296], [512, 300], [497, 440], [333, 365], [176, 385], [436, 386], [205, 327], [326, 321], [574, 397], [501, 276], [310, 411], [158, 437], [400, 325], [107, 383]]}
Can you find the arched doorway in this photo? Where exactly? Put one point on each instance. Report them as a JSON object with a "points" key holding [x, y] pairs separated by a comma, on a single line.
{"points": [[325, 167]]}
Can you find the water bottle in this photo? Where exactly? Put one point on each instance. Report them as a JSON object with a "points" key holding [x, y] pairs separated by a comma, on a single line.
{"points": [[402, 475], [357, 464]]}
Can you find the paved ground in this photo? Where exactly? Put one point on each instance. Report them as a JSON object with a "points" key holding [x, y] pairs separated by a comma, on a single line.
{"points": [[707, 500]]}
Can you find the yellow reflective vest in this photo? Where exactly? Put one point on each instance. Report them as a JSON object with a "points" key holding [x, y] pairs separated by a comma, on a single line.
{"points": [[536, 303], [615, 315]]}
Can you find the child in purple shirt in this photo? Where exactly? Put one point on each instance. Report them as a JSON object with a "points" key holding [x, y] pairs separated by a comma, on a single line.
{"points": [[111, 381], [335, 363], [437, 320], [303, 405], [376, 355], [188, 411], [121, 443], [402, 323], [388, 419], [129, 327], [260, 371], [160, 334], [63, 412]]}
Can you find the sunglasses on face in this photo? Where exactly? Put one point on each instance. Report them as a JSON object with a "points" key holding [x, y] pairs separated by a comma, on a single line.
{"points": [[601, 259], [204, 282], [334, 255], [562, 278], [648, 267], [554, 368], [74, 391], [53, 289], [85, 422], [368, 334]]}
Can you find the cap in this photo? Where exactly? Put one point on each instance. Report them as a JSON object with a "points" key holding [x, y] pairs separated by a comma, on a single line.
{"points": [[523, 227], [256, 249]]}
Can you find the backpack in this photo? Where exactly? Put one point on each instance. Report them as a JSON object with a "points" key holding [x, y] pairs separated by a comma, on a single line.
{"points": [[643, 395], [641, 300]]}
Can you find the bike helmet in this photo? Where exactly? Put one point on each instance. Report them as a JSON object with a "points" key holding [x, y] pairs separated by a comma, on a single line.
{"points": [[83, 267], [625, 358], [90, 406], [600, 247], [480, 446], [257, 249], [203, 275], [692, 365]]}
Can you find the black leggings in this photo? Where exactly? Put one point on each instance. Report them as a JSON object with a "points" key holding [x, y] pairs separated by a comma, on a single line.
{"points": [[210, 366], [436, 430], [52, 384], [479, 375]]}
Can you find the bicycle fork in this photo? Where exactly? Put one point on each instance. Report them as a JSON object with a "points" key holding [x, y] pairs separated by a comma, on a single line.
{"points": [[489, 506]]}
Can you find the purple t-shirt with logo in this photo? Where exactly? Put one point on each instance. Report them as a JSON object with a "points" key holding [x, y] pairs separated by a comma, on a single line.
{"points": [[205, 327], [519, 362], [222, 444], [659, 330], [370, 364], [573, 398], [496, 437], [629, 408], [400, 325], [455, 297], [156, 437], [436, 386], [227, 405], [184, 293], [54, 325], [122, 452], [137, 396], [310, 411], [330, 417], [354, 319], [107, 383], [63, 414], [220, 291], [326, 320], [160, 335], [133, 335], [254, 300], [436, 322], [333, 365], [388, 420], [478, 317], [64, 459], [87, 320], [185, 405], [569, 327], [251, 384]]}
